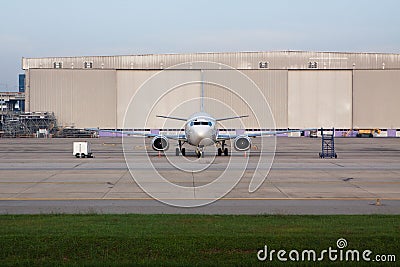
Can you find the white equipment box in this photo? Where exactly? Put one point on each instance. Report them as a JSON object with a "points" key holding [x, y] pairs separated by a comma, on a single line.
{"points": [[82, 150]]}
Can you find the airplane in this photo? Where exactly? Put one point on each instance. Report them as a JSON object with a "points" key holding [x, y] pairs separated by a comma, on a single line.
{"points": [[200, 130]]}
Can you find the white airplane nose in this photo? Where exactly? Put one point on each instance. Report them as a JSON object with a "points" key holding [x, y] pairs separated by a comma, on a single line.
{"points": [[202, 136], [202, 133]]}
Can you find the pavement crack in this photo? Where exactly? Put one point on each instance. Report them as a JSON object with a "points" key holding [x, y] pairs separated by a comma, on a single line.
{"points": [[282, 192], [363, 189], [77, 165], [337, 164], [347, 179], [111, 185], [35, 184]]}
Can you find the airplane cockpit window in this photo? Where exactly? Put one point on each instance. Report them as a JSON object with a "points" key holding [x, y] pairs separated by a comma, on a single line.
{"points": [[200, 123]]}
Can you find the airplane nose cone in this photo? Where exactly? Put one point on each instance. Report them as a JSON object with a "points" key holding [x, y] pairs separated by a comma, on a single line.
{"points": [[201, 133], [202, 136]]}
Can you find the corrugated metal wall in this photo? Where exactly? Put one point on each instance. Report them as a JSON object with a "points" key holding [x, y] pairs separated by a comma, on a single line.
{"points": [[239, 95], [220, 102], [320, 99], [376, 99], [274, 86], [80, 98], [163, 93], [128, 83], [298, 98], [238, 60]]}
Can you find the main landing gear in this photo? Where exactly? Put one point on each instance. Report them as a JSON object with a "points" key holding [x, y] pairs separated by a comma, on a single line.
{"points": [[181, 149], [223, 149], [200, 150]]}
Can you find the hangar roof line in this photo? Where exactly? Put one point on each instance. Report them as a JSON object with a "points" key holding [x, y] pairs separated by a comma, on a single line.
{"points": [[239, 60]]}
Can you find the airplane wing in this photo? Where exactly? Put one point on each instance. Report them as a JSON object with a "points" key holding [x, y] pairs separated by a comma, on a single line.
{"points": [[266, 133], [172, 118], [231, 118], [180, 137], [222, 137]]}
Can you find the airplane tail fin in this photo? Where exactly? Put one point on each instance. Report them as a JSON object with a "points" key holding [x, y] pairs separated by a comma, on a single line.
{"points": [[202, 93]]}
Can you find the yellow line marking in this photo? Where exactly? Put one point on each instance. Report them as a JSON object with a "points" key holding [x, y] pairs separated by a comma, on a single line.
{"points": [[232, 198], [331, 182], [109, 144], [56, 183]]}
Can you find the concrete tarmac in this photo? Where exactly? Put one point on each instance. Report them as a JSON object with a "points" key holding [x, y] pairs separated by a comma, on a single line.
{"points": [[42, 176]]}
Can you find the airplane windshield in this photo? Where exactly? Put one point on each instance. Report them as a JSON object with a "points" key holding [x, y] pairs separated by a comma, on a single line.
{"points": [[200, 123]]}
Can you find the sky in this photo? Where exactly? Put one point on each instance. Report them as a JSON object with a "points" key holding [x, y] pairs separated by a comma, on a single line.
{"points": [[50, 28]]}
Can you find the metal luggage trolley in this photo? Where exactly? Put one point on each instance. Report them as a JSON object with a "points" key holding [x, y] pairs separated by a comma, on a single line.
{"points": [[328, 145]]}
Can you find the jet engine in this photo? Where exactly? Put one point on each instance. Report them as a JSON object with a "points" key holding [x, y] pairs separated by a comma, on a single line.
{"points": [[160, 143], [242, 143]]}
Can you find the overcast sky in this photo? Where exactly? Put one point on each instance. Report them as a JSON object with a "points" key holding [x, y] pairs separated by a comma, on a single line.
{"points": [[47, 28]]}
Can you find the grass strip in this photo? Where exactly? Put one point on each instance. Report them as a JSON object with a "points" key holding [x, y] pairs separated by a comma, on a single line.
{"points": [[186, 240]]}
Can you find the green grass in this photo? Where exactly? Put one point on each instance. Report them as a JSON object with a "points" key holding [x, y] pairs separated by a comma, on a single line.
{"points": [[185, 240]]}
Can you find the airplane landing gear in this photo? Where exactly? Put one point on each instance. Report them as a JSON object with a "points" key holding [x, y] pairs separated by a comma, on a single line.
{"points": [[199, 153], [226, 151], [181, 149], [223, 149]]}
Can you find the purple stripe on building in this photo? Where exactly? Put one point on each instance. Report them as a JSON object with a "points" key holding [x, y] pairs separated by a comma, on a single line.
{"points": [[391, 133], [109, 134], [155, 131], [340, 133]]}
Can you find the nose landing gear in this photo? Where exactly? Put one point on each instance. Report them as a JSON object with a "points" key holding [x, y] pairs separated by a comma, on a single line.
{"points": [[199, 152]]}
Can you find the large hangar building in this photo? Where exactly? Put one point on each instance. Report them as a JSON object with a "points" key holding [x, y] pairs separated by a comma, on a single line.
{"points": [[303, 89]]}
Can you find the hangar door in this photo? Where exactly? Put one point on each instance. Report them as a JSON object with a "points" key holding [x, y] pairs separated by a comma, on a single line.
{"points": [[376, 99], [319, 98], [79, 98], [161, 93]]}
